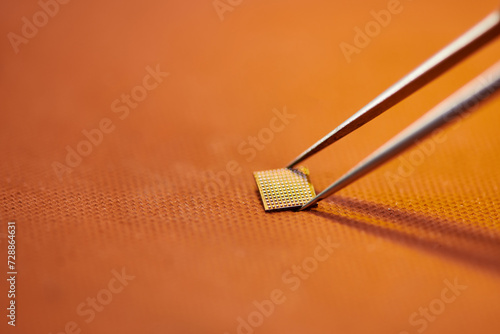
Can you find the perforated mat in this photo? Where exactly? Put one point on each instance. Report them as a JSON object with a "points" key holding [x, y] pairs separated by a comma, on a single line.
{"points": [[129, 132]]}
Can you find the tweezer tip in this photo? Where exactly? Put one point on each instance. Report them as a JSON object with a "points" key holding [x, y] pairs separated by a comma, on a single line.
{"points": [[292, 164], [308, 205]]}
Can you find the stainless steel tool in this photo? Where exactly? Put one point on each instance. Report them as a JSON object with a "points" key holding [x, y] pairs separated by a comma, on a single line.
{"points": [[463, 101]]}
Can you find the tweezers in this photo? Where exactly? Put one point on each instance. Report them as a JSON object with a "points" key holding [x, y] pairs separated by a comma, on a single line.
{"points": [[464, 100]]}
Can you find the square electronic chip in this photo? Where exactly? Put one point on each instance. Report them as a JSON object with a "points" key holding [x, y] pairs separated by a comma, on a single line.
{"points": [[284, 188]]}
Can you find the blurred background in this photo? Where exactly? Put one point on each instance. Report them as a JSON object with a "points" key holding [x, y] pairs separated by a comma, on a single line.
{"points": [[129, 132]]}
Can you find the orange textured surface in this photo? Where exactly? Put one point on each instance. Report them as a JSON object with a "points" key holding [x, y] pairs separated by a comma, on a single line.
{"points": [[144, 200]]}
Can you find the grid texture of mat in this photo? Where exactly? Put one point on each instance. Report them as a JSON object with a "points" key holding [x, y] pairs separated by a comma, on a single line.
{"points": [[155, 216]]}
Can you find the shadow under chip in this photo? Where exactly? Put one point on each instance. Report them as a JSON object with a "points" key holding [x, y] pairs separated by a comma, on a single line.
{"points": [[285, 188]]}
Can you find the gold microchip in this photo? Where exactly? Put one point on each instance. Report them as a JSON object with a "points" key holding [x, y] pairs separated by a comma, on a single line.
{"points": [[284, 188]]}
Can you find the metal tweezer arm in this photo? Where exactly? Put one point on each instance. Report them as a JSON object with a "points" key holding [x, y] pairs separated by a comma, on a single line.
{"points": [[464, 100], [475, 38], [459, 103]]}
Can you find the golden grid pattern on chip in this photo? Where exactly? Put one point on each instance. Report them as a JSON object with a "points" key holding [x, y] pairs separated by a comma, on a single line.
{"points": [[284, 188]]}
